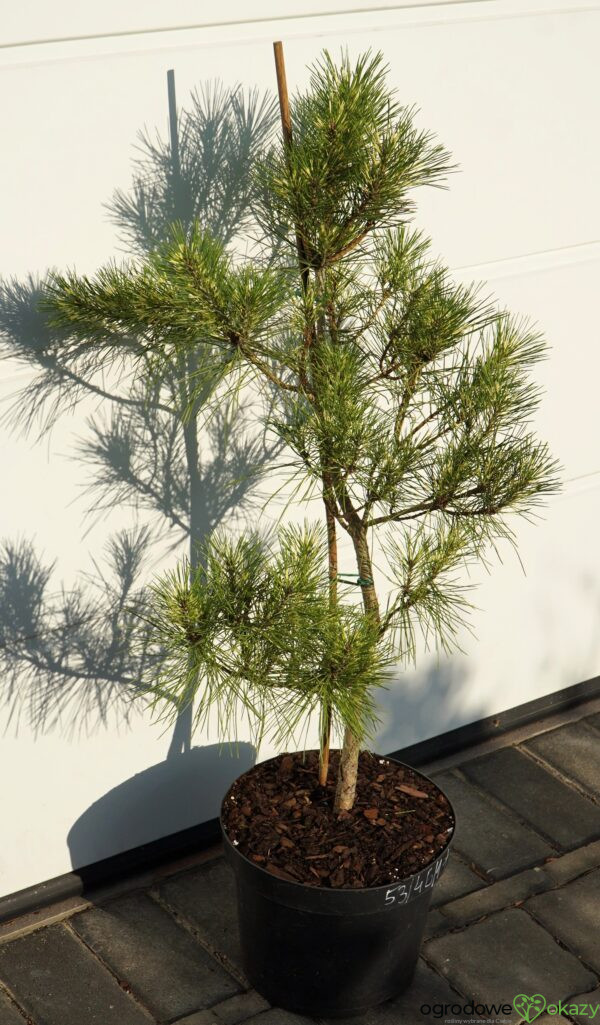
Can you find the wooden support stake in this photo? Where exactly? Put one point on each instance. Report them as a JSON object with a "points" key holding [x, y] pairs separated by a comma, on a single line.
{"points": [[286, 127], [284, 102]]}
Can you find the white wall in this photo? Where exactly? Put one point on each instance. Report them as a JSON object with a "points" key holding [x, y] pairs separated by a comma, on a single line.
{"points": [[511, 88]]}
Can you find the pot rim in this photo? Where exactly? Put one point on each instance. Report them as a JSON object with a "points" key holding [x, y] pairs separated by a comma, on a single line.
{"points": [[342, 889]]}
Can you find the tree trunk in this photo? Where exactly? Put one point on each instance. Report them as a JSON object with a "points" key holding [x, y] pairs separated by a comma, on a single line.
{"points": [[348, 771], [346, 787], [325, 745], [325, 740]]}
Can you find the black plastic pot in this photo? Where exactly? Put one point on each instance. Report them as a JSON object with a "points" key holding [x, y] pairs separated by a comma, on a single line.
{"points": [[327, 952]]}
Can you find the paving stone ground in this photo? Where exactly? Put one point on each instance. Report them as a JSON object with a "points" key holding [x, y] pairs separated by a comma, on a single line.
{"points": [[142, 943], [505, 845], [572, 750], [516, 912], [552, 807], [507, 946]]}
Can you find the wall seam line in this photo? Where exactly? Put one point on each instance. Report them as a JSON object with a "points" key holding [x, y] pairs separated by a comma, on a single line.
{"points": [[277, 18]]}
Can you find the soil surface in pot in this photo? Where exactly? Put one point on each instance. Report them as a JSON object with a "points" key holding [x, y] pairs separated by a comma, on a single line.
{"points": [[279, 817]]}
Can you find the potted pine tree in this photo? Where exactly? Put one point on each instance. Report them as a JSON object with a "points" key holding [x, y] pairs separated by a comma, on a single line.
{"points": [[403, 401]]}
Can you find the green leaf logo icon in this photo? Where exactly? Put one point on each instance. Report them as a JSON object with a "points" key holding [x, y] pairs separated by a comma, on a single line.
{"points": [[529, 1007]]}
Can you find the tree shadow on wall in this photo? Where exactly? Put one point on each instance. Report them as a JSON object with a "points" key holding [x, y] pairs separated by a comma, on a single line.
{"points": [[71, 657], [430, 702]]}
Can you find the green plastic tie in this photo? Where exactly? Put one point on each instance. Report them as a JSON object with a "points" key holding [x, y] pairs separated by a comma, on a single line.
{"points": [[358, 582]]}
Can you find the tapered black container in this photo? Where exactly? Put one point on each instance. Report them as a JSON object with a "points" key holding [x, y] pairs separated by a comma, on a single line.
{"points": [[329, 952]]}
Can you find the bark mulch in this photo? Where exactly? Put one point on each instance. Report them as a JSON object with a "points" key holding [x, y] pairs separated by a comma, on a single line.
{"points": [[281, 819]]}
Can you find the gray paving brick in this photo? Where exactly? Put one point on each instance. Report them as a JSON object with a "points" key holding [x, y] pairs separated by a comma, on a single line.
{"points": [[507, 954], [568, 866], [456, 880], [9, 1014], [240, 1008], [487, 836], [58, 982], [552, 807], [572, 914], [206, 898], [574, 750], [593, 720], [166, 968], [496, 897], [32, 921]]}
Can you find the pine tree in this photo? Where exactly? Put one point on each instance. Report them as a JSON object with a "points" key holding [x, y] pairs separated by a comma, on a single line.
{"points": [[404, 402]]}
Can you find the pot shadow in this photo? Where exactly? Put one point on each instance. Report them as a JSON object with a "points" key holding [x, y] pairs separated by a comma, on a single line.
{"points": [[176, 794]]}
